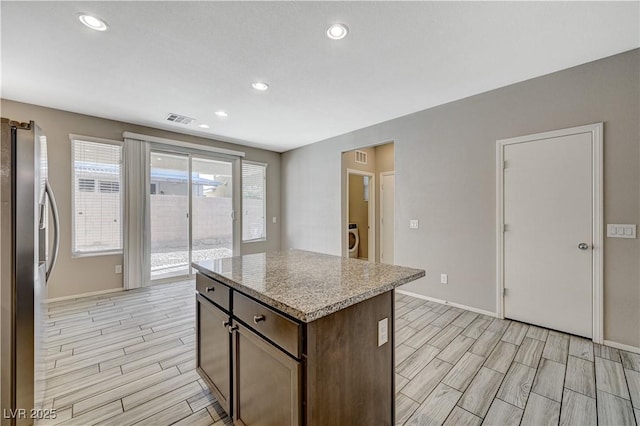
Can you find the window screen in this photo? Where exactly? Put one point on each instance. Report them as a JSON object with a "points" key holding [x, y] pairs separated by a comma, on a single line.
{"points": [[254, 188], [97, 197]]}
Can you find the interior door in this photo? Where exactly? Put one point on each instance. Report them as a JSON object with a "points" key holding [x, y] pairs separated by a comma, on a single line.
{"points": [[387, 237], [548, 214]]}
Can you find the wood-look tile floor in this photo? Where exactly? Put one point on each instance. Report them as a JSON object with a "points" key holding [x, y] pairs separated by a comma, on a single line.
{"points": [[129, 358], [456, 367]]}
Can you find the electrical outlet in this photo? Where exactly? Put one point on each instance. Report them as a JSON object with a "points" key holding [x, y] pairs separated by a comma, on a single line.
{"points": [[274, 220], [414, 224], [118, 269], [383, 331], [444, 278]]}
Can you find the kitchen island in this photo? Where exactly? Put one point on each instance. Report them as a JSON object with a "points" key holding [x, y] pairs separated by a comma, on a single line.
{"points": [[299, 338]]}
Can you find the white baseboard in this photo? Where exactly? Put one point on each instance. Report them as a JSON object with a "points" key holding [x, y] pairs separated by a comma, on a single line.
{"points": [[444, 302], [622, 346], [78, 296]]}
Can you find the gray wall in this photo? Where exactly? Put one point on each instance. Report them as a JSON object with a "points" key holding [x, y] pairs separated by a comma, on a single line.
{"points": [[89, 274], [445, 177]]}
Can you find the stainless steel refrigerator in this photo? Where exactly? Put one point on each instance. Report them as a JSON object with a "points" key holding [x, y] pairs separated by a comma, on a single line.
{"points": [[28, 253]]}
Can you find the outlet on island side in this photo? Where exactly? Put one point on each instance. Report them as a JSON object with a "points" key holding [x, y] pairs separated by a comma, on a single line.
{"points": [[444, 279], [118, 269]]}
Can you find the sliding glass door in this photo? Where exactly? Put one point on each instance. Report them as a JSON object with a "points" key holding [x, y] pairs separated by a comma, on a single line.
{"points": [[169, 213], [191, 209], [211, 208]]}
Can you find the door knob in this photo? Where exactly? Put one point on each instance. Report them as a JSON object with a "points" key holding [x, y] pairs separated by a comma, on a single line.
{"points": [[583, 246]]}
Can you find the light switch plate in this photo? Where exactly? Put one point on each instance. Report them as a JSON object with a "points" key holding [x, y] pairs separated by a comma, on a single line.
{"points": [[383, 331], [414, 224], [615, 230]]}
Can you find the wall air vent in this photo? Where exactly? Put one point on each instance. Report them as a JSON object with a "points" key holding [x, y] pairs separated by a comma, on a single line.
{"points": [[361, 157], [180, 119]]}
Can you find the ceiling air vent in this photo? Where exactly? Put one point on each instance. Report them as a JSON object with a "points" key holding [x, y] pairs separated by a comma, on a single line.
{"points": [[180, 119], [361, 157]]}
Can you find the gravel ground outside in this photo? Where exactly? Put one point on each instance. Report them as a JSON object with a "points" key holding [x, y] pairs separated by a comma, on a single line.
{"points": [[172, 263]]}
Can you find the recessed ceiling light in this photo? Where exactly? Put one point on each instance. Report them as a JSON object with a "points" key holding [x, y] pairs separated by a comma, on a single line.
{"points": [[337, 31], [260, 85], [203, 126], [221, 114], [93, 22]]}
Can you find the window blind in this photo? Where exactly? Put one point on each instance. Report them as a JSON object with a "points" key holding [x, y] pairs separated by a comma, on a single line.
{"points": [[254, 187], [97, 197]]}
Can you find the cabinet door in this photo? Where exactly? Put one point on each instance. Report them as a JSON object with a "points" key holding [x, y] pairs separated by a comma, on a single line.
{"points": [[267, 382], [214, 350]]}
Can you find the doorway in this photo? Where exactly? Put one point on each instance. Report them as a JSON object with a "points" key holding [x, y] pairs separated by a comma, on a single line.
{"points": [[361, 214], [191, 211], [376, 163], [550, 230]]}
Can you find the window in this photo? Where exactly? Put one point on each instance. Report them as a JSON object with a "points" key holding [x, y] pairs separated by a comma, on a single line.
{"points": [[254, 188], [97, 198]]}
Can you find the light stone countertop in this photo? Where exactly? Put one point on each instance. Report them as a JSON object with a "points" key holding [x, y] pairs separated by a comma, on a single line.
{"points": [[304, 284]]}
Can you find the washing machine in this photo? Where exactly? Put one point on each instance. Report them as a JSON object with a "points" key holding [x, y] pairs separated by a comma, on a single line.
{"points": [[354, 240]]}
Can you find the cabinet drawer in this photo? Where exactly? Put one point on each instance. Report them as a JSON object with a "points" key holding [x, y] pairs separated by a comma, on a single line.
{"points": [[217, 292], [274, 326]]}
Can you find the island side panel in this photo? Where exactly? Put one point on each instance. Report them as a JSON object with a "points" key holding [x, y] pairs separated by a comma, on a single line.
{"points": [[350, 379]]}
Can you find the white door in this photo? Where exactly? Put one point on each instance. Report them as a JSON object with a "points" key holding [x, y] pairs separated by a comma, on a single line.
{"points": [[387, 195], [548, 214]]}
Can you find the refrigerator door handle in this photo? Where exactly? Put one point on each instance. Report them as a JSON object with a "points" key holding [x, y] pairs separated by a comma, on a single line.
{"points": [[56, 228]]}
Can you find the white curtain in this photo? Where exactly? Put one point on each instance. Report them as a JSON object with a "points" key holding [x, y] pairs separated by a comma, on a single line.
{"points": [[137, 256]]}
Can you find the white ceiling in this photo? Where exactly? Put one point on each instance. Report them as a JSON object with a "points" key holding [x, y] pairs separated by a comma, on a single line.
{"points": [[194, 58]]}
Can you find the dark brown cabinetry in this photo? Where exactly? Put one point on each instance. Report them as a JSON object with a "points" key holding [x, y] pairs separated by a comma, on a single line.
{"points": [[267, 382], [267, 368], [282, 331], [214, 350], [216, 292]]}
